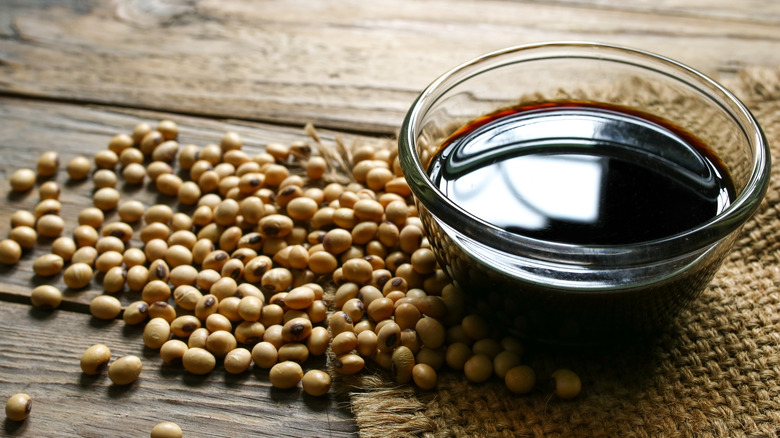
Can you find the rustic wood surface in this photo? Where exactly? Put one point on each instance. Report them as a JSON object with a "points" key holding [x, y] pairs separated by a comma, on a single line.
{"points": [[74, 73]]}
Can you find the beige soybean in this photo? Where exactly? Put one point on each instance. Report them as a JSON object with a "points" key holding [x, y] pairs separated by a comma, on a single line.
{"points": [[18, 407], [172, 351], [140, 131], [220, 343], [136, 312], [48, 163], [198, 338], [91, 216], [22, 180], [249, 332], [285, 375], [299, 298], [46, 297], [10, 251], [111, 243], [48, 265], [77, 275], [47, 206], [344, 343], [520, 379], [22, 218], [264, 355], [133, 173], [125, 370], [434, 358], [105, 307], [161, 309], [316, 383], [424, 376], [120, 142], [166, 429], [131, 211], [106, 198], [348, 364], [186, 296], [105, 159], [238, 360], [457, 354], [389, 336], [156, 333], [566, 384], [478, 368], [78, 168], [114, 279], [108, 260], [120, 230], [85, 235], [184, 325], [104, 178], [218, 322], [95, 359], [293, 351], [50, 225], [250, 308], [318, 341], [228, 307], [137, 277], [198, 361]]}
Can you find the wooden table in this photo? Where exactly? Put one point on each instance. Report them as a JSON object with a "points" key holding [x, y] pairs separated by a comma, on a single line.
{"points": [[74, 73]]}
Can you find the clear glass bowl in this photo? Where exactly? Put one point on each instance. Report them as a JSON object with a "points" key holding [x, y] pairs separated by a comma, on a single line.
{"points": [[576, 293]]}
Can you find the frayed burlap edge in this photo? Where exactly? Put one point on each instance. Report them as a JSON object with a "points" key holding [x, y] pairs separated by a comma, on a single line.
{"points": [[714, 373]]}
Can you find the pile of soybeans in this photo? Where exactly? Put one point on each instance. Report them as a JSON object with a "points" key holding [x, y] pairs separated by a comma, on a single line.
{"points": [[262, 258]]}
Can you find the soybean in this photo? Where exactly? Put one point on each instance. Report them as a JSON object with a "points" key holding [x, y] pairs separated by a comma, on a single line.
{"points": [[77, 275], [18, 407], [46, 297], [520, 379], [285, 375], [316, 383], [22, 180], [105, 307], [95, 358], [566, 384], [198, 361], [166, 430], [172, 351], [125, 370], [238, 360]]}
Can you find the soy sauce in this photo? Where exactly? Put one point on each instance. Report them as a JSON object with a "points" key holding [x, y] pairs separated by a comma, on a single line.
{"points": [[582, 173]]}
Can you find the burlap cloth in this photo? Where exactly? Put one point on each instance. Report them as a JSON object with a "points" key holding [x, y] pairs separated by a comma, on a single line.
{"points": [[714, 373]]}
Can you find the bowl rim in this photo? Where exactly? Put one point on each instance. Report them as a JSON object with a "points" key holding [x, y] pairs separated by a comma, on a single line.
{"points": [[704, 235]]}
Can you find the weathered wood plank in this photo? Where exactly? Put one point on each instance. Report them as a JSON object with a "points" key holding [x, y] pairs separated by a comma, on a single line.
{"points": [[39, 355], [352, 65], [29, 128]]}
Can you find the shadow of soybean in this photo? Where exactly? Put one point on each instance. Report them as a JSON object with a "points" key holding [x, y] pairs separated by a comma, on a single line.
{"points": [[194, 380], [13, 428], [232, 380], [42, 313], [86, 380], [171, 370], [292, 395], [322, 403], [123, 391]]}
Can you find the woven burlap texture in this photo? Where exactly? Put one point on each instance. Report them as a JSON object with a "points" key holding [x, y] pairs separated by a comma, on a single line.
{"points": [[714, 373]]}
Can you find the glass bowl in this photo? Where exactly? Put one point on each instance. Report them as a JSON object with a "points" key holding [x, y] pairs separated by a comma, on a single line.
{"points": [[563, 292]]}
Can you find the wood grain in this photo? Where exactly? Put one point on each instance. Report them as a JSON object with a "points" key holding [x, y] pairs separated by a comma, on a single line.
{"points": [[40, 353], [354, 65]]}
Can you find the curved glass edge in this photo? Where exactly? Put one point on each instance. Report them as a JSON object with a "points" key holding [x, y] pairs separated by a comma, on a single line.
{"points": [[692, 240]]}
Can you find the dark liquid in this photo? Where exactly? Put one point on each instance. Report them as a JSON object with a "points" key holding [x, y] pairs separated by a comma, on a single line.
{"points": [[581, 173]]}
